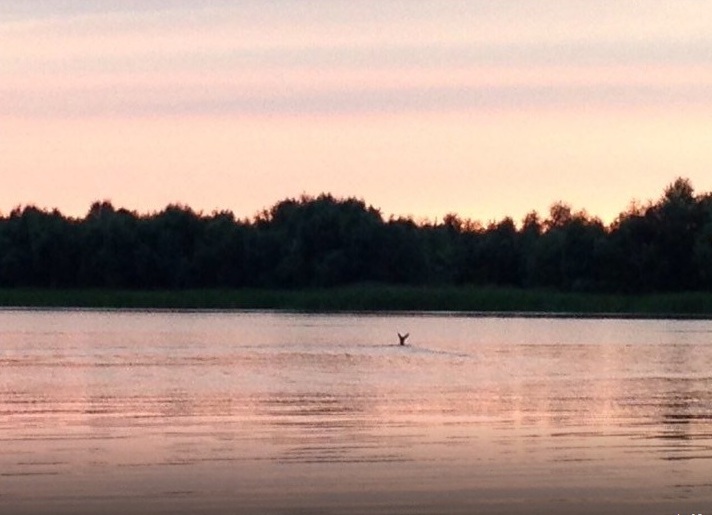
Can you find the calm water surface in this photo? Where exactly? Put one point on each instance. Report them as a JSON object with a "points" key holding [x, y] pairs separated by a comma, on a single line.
{"points": [[161, 412]]}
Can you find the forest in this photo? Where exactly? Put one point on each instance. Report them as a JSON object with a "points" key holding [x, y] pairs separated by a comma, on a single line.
{"points": [[661, 246]]}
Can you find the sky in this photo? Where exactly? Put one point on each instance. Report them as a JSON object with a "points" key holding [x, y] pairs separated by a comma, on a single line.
{"points": [[421, 108]]}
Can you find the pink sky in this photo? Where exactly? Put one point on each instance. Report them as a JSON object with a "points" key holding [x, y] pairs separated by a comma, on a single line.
{"points": [[421, 108]]}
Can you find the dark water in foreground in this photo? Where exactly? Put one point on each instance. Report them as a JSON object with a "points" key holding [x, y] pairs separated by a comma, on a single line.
{"points": [[133, 412]]}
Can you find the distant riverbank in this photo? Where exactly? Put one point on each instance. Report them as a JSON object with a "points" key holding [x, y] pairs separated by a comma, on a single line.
{"points": [[497, 301]]}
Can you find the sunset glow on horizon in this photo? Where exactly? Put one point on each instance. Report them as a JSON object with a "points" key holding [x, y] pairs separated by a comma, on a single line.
{"points": [[421, 108]]}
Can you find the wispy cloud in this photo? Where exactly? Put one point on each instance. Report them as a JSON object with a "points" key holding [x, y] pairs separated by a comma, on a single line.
{"points": [[96, 59]]}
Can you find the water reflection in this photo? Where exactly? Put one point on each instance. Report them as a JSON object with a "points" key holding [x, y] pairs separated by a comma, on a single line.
{"points": [[268, 413]]}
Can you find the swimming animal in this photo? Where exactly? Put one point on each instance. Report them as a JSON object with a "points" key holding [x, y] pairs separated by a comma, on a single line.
{"points": [[403, 337]]}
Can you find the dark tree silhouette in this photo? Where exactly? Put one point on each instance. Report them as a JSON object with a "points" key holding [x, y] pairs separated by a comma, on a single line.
{"points": [[325, 241]]}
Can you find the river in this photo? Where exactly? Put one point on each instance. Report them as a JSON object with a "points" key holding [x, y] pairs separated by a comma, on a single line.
{"points": [[283, 413]]}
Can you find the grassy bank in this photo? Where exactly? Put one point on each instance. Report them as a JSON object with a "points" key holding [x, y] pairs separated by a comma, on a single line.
{"points": [[374, 298]]}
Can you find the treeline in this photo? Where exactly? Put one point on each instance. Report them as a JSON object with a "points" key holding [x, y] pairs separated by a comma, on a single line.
{"points": [[324, 241]]}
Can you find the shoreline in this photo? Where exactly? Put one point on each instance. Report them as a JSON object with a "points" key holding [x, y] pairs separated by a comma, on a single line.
{"points": [[377, 299], [403, 313]]}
